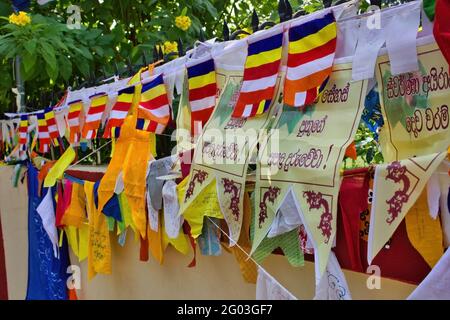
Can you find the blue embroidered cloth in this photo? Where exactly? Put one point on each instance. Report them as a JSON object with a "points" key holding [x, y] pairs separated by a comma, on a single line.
{"points": [[46, 274]]}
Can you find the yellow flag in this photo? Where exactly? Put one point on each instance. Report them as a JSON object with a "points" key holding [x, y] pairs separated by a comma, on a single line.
{"points": [[57, 171], [397, 186]]}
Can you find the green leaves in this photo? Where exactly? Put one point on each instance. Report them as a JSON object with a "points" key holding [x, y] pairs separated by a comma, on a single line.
{"points": [[28, 64], [65, 67], [49, 56], [30, 46]]}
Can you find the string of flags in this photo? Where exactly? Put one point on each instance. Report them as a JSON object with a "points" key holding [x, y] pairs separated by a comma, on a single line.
{"points": [[310, 57], [292, 78]]}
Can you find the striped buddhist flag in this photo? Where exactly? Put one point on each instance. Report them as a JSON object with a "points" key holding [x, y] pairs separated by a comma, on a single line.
{"points": [[23, 132], [51, 125], [73, 120], [43, 133], [119, 112], [202, 93], [312, 46], [260, 76], [153, 110], [94, 115]]}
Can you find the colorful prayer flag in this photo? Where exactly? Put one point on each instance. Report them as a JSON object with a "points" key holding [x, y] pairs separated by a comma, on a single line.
{"points": [[23, 132], [94, 115], [202, 92], [260, 76], [43, 134], [119, 112], [73, 119], [311, 50], [51, 125], [153, 110]]}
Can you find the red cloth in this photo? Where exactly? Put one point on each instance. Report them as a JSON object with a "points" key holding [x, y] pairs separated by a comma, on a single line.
{"points": [[187, 230], [143, 252], [352, 201], [441, 28], [186, 160], [86, 175], [144, 247], [400, 261], [351, 151], [63, 202], [72, 293], [3, 283]]}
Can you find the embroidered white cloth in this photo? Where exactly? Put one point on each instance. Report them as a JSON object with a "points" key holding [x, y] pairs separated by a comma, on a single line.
{"points": [[46, 211], [332, 285], [436, 286], [152, 213], [268, 288], [172, 221]]}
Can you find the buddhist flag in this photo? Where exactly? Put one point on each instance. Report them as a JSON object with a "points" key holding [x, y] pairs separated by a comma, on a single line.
{"points": [[202, 92], [154, 110], [119, 112], [51, 125], [23, 132], [94, 115], [43, 134], [73, 119], [312, 46], [260, 76]]}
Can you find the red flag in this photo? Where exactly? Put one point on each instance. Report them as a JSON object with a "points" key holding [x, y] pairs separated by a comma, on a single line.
{"points": [[441, 29]]}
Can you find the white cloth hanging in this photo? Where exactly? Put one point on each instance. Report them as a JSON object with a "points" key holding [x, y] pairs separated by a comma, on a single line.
{"points": [[153, 214], [332, 285], [172, 221], [268, 288], [119, 187], [437, 193], [384, 27], [436, 285], [287, 217], [60, 116], [46, 211], [6, 132]]}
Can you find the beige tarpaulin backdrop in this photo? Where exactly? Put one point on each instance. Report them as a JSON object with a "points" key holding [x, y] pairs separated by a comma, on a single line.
{"points": [[212, 278]]}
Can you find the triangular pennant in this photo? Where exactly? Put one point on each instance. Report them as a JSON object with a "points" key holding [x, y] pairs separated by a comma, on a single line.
{"points": [[397, 185]]}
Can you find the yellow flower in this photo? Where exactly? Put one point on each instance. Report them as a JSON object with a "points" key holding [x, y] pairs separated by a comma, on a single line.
{"points": [[170, 47], [20, 19], [183, 22]]}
